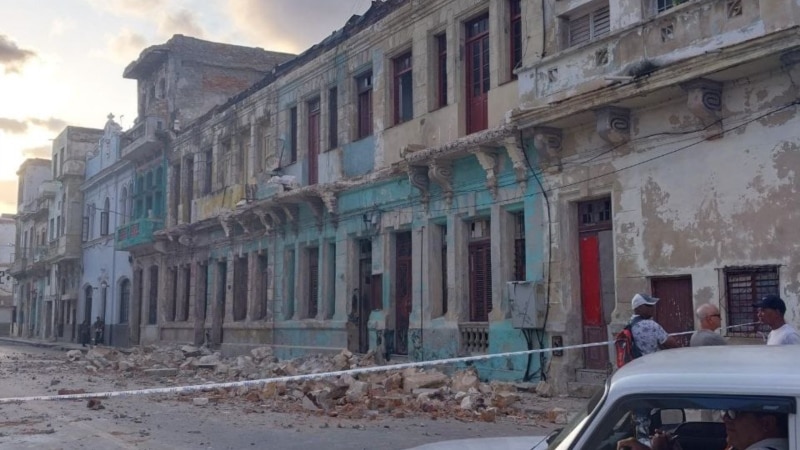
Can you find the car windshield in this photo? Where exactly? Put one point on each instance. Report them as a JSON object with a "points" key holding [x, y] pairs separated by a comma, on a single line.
{"points": [[569, 430]]}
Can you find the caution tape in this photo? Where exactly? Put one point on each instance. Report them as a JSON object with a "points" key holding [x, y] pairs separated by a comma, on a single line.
{"points": [[313, 376]]}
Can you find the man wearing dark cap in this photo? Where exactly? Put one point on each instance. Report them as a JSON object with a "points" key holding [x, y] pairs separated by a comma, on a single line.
{"points": [[771, 309]]}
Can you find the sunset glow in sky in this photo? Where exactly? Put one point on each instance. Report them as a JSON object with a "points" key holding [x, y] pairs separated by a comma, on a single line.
{"points": [[61, 61]]}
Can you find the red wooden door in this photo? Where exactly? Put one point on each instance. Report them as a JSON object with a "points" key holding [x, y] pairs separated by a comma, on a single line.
{"points": [[594, 327], [675, 309], [480, 281], [313, 142], [403, 282], [477, 70]]}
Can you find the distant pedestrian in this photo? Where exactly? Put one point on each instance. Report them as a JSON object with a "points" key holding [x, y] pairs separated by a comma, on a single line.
{"points": [[84, 332], [99, 328], [771, 310], [710, 321]]}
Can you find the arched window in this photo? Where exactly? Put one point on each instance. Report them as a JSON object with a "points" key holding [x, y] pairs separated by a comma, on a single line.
{"points": [[124, 300]]}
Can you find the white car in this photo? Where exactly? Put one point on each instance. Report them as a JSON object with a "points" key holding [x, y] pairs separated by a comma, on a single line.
{"points": [[684, 391]]}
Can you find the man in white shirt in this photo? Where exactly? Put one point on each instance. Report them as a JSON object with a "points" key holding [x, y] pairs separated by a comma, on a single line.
{"points": [[771, 310]]}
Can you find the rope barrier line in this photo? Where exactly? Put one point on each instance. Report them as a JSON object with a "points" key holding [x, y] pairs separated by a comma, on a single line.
{"points": [[304, 377]]}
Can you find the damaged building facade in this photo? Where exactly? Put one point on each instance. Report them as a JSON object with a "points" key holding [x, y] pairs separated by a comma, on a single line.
{"points": [[367, 194], [442, 178], [665, 133], [105, 286], [176, 83], [48, 263]]}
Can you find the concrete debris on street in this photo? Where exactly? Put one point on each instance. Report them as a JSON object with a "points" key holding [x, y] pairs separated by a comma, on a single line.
{"points": [[402, 393]]}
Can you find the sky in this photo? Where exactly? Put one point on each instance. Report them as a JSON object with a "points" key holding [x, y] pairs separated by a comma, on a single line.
{"points": [[61, 61]]}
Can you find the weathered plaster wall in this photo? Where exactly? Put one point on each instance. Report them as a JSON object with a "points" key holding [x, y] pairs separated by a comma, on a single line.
{"points": [[683, 205]]}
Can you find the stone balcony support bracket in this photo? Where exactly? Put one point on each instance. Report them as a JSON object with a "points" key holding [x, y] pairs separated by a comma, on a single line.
{"points": [[330, 201], [516, 152], [548, 143], [418, 177], [292, 215], [226, 223], [613, 124], [262, 216], [487, 158], [441, 172], [317, 208], [704, 100]]}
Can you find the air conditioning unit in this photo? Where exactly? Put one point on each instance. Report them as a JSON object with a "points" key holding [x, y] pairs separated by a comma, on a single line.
{"points": [[527, 302]]}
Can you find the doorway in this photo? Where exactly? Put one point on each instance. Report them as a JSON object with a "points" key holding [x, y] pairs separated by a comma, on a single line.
{"points": [[477, 71], [675, 308], [596, 264], [403, 283]]}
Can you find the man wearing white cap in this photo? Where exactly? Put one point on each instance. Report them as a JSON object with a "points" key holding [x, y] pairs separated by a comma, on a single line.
{"points": [[648, 336]]}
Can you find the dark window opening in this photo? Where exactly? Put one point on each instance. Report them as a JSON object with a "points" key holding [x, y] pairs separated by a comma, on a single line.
{"points": [[515, 26], [403, 89], [519, 247], [240, 285], [364, 91], [293, 134], [313, 282], [441, 72], [333, 118]]}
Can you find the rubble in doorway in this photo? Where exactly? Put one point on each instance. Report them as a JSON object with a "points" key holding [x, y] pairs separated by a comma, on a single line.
{"points": [[397, 393]]}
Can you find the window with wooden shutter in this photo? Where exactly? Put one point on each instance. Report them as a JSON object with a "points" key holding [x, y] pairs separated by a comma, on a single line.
{"points": [[480, 271], [589, 27]]}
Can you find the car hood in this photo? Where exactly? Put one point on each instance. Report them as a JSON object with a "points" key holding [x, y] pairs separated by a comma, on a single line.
{"points": [[493, 443]]}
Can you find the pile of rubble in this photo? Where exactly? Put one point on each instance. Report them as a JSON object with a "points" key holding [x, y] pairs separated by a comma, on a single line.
{"points": [[399, 393]]}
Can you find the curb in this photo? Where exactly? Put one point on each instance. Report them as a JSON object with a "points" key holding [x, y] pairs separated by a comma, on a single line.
{"points": [[41, 344]]}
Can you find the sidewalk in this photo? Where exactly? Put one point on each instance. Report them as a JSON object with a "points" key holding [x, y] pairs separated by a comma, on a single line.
{"points": [[55, 345]]}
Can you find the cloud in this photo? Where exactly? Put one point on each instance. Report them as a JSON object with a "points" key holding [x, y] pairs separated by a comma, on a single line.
{"points": [[38, 152], [180, 22], [136, 8], [51, 124], [61, 26], [283, 25], [126, 46], [14, 126], [11, 56], [8, 195]]}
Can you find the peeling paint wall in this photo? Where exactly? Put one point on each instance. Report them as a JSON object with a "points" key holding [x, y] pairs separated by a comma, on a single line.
{"points": [[684, 205]]}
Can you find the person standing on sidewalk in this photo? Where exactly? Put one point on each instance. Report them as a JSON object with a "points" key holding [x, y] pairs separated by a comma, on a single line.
{"points": [[84, 331], [710, 321], [98, 327], [771, 310], [648, 337]]}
